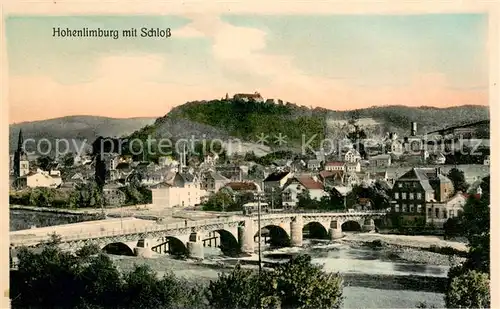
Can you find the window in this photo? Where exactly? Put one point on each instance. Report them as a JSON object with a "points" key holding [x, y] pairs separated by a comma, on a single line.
{"points": [[419, 208], [396, 208], [445, 214], [452, 213], [414, 185], [403, 195], [287, 197], [437, 212], [411, 196], [429, 212], [396, 195], [405, 208], [411, 207], [400, 185], [419, 196]]}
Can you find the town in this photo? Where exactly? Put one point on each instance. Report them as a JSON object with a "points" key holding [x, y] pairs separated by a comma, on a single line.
{"points": [[409, 177]]}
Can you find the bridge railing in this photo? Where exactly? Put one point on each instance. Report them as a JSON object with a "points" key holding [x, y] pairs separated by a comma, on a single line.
{"points": [[315, 211], [35, 239], [103, 233]]}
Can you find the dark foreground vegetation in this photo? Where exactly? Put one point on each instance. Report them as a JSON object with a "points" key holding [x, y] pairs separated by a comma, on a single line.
{"points": [[89, 279]]}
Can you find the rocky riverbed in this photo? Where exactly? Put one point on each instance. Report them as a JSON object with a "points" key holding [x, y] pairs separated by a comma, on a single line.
{"points": [[373, 267], [415, 249]]}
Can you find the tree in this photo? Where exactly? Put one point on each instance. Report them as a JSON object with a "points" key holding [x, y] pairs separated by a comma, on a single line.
{"points": [[240, 288], [453, 227], [476, 223], [57, 279], [305, 201], [220, 201], [68, 159], [43, 162], [468, 283], [295, 284], [86, 195], [458, 179], [300, 284], [469, 290]]}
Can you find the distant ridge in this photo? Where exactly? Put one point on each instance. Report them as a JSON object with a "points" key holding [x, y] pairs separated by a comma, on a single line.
{"points": [[229, 118], [77, 127]]}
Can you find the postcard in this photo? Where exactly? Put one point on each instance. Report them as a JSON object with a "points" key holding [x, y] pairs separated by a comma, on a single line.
{"points": [[238, 155]]}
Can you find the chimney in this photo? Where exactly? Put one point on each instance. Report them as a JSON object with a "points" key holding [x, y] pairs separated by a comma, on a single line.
{"points": [[413, 129]]}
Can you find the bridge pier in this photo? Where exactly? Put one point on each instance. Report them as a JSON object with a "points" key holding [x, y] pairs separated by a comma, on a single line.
{"points": [[195, 246], [335, 230], [143, 248], [296, 235], [369, 225], [245, 237]]}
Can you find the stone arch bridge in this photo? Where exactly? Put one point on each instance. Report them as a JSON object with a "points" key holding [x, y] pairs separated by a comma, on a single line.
{"points": [[235, 234]]}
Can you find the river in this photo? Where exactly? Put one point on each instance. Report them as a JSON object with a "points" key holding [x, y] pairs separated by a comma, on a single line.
{"points": [[374, 277]]}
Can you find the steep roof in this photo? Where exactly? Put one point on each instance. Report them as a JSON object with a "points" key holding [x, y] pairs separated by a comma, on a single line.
{"points": [[277, 176], [381, 157], [123, 166], [187, 177], [216, 176], [313, 161], [326, 174], [419, 175], [425, 176], [310, 183], [242, 186], [335, 163]]}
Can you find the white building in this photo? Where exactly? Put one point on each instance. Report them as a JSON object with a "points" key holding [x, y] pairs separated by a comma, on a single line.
{"points": [[335, 166], [396, 147], [298, 185], [440, 212], [41, 178], [352, 156], [353, 167], [184, 190]]}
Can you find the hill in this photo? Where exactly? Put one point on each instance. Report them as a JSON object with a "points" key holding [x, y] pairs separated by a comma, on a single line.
{"points": [[246, 120], [78, 128]]}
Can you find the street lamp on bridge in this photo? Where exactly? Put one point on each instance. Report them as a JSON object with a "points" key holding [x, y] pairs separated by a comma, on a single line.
{"points": [[258, 196]]}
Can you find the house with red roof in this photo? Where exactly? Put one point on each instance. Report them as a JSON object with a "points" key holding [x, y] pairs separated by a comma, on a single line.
{"points": [[332, 178], [301, 184], [335, 166], [241, 191]]}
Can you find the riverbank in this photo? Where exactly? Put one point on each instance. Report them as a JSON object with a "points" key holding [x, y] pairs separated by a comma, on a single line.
{"points": [[26, 217], [373, 278], [416, 249]]}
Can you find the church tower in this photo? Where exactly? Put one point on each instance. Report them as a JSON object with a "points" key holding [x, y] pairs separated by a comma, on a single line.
{"points": [[21, 163]]}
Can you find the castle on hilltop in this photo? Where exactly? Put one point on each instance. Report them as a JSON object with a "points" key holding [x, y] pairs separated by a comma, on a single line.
{"points": [[247, 97]]}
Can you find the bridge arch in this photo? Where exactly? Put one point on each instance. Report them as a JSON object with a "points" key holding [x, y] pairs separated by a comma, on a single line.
{"points": [[351, 226], [275, 235], [315, 230], [118, 248], [223, 239], [170, 245]]}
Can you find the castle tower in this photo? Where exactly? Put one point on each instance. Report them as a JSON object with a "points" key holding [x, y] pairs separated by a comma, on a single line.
{"points": [[21, 163]]}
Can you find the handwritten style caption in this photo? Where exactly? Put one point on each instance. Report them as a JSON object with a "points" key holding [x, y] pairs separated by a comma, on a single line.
{"points": [[115, 34]]}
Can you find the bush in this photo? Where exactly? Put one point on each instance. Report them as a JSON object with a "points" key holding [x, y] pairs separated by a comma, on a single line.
{"points": [[56, 279], [469, 290], [295, 284]]}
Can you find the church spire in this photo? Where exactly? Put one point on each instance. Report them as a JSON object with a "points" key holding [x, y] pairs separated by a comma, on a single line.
{"points": [[20, 141]]}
